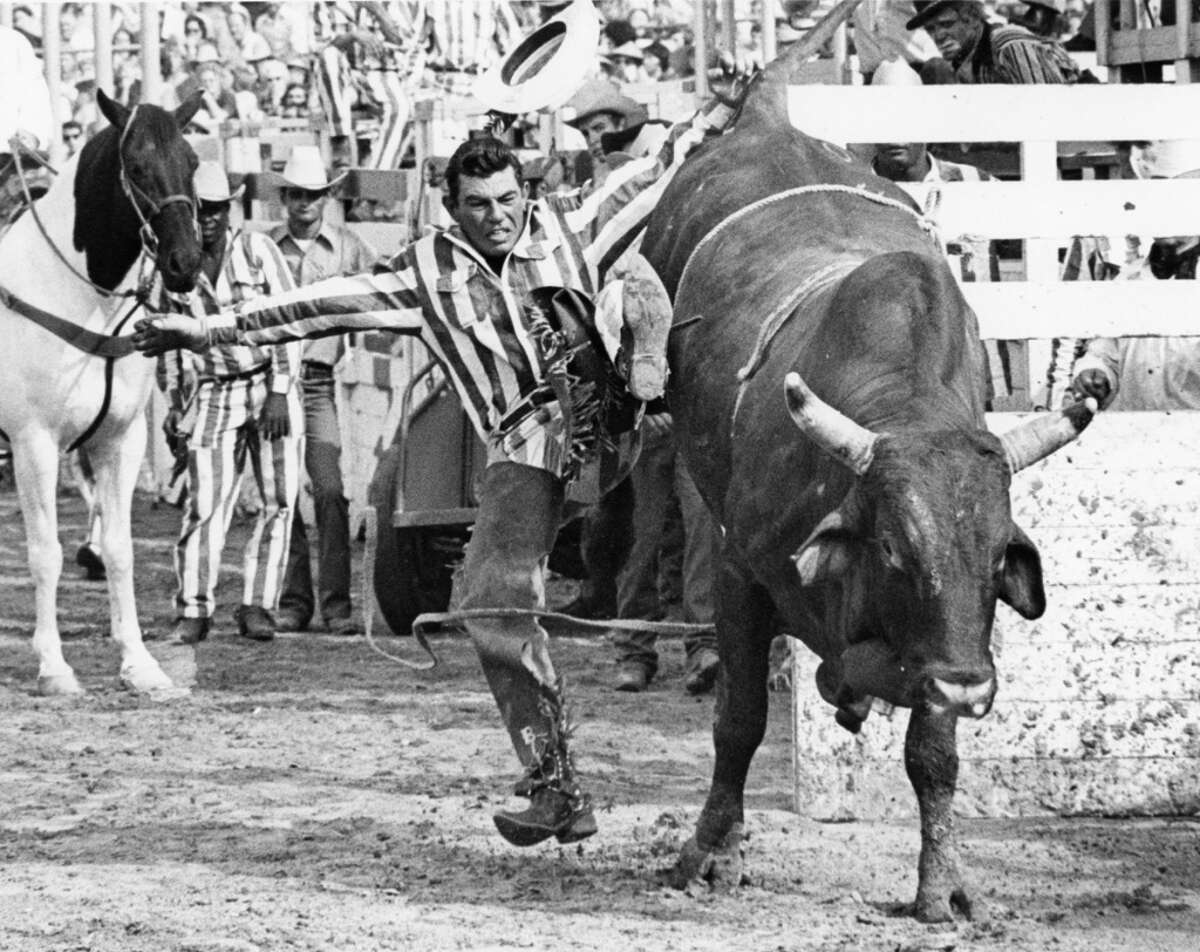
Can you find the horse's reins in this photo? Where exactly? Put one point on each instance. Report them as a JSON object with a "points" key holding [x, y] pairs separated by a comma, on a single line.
{"points": [[109, 346]]}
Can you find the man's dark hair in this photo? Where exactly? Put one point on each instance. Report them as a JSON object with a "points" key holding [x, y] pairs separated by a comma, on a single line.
{"points": [[479, 158], [620, 32]]}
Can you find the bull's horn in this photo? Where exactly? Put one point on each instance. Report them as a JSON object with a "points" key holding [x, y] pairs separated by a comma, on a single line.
{"points": [[832, 430], [1037, 438]]}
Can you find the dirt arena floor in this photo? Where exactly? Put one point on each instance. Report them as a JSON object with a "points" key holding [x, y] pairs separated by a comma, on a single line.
{"points": [[309, 795]]}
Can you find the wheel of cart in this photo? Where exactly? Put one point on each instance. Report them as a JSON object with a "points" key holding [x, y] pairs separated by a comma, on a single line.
{"points": [[424, 501]]}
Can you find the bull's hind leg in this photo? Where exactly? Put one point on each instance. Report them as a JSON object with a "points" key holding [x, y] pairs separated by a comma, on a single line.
{"points": [[35, 464], [931, 759], [714, 853], [116, 465]]}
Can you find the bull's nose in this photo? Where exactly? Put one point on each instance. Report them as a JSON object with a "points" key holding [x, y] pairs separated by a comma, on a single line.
{"points": [[973, 699]]}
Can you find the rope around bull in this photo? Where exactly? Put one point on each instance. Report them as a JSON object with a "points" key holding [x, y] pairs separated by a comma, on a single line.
{"points": [[428, 619]]}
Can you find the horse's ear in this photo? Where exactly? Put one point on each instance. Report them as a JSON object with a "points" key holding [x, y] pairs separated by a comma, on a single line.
{"points": [[113, 111], [188, 108]]}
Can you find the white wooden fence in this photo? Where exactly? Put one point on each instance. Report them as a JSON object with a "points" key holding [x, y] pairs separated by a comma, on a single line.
{"points": [[1099, 704]]}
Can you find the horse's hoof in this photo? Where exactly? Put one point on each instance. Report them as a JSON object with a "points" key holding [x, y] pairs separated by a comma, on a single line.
{"points": [[59, 685], [945, 905], [718, 869], [146, 678]]}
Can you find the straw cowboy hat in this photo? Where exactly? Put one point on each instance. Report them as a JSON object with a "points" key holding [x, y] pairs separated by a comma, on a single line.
{"points": [[629, 51], [895, 72], [599, 95], [305, 169], [547, 66], [212, 184]]}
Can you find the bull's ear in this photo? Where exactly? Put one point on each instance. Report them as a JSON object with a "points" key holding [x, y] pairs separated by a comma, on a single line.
{"points": [[1021, 584], [831, 548]]}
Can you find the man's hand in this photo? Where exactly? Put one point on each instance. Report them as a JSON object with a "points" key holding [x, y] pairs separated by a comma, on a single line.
{"points": [[656, 426], [1092, 383], [159, 333], [176, 441], [275, 422]]}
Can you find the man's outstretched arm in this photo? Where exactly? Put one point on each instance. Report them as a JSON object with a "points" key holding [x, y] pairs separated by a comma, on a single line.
{"points": [[387, 300]]}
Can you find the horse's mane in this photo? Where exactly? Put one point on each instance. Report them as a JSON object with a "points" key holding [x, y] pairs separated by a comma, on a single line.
{"points": [[106, 226]]}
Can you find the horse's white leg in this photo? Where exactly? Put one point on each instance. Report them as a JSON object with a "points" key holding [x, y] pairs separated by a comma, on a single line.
{"points": [[116, 466], [35, 464]]}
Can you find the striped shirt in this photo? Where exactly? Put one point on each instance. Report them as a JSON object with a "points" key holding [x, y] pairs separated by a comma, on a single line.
{"points": [[476, 322], [1013, 55], [253, 268]]}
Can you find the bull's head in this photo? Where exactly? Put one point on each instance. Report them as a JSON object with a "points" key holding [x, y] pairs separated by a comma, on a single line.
{"points": [[926, 544]]}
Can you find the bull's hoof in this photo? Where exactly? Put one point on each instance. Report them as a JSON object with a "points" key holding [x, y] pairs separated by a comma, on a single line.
{"points": [[718, 869], [943, 904], [59, 685], [145, 677]]}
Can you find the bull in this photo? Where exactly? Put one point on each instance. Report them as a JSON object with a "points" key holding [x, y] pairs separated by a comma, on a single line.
{"points": [[828, 388]]}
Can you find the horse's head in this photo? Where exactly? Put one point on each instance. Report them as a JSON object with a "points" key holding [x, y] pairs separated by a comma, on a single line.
{"points": [[134, 175]]}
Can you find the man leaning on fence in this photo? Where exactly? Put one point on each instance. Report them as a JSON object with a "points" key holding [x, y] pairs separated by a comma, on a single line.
{"points": [[975, 51], [475, 295]]}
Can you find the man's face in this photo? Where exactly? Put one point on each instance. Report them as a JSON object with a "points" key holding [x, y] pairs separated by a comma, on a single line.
{"points": [[594, 126], [214, 220], [237, 26], [490, 211], [210, 80], [304, 207], [895, 159], [953, 33]]}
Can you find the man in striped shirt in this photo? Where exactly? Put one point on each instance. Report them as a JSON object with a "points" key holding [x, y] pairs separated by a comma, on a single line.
{"points": [[230, 403], [467, 293], [975, 51]]}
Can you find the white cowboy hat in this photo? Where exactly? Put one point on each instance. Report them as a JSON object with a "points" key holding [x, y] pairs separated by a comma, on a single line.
{"points": [[547, 66], [895, 72], [305, 169], [212, 184], [630, 51], [599, 95], [1179, 158]]}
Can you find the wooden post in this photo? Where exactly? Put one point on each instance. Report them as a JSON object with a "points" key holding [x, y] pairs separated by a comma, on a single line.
{"points": [[151, 68], [52, 63], [841, 56], [1187, 70], [769, 49], [102, 23], [700, 48], [728, 25]]}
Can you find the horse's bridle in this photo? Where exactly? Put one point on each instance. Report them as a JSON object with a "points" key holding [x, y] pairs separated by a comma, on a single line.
{"points": [[137, 195]]}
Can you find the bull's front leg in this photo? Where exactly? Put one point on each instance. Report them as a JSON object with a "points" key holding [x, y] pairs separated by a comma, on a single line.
{"points": [[931, 760], [713, 856]]}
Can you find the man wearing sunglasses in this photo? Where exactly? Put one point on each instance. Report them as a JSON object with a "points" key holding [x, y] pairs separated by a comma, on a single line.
{"points": [[316, 249]]}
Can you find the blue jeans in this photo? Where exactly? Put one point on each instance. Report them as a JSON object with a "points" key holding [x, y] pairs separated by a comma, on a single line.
{"points": [[658, 475], [322, 459]]}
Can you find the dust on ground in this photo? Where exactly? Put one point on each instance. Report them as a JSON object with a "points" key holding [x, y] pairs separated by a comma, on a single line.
{"points": [[309, 795]]}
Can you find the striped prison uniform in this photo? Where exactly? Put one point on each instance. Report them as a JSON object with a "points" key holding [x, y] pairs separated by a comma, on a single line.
{"points": [[231, 387], [476, 322], [1013, 55]]}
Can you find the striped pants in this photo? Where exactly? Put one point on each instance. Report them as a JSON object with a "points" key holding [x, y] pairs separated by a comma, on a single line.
{"points": [[226, 435]]}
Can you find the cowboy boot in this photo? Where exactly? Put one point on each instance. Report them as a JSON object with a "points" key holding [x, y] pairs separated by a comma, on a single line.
{"points": [[646, 312], [557, 805]]}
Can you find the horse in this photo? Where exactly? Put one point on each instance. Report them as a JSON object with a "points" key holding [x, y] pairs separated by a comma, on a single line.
{"points": [[68, 287]]}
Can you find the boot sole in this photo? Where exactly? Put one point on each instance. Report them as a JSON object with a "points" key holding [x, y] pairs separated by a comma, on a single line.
{"points": [[522, 834]]}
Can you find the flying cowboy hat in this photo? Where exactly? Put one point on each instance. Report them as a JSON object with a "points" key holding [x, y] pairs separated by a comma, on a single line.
{"points": [[212, 184], [547, 66], [306, 170]]}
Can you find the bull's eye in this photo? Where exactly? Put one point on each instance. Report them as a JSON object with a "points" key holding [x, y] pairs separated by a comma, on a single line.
{"points": [[1000, 565], [889, 551]]}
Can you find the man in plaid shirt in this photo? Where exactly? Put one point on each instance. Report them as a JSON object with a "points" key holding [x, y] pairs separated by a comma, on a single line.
{"points": [[467, 293]]}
